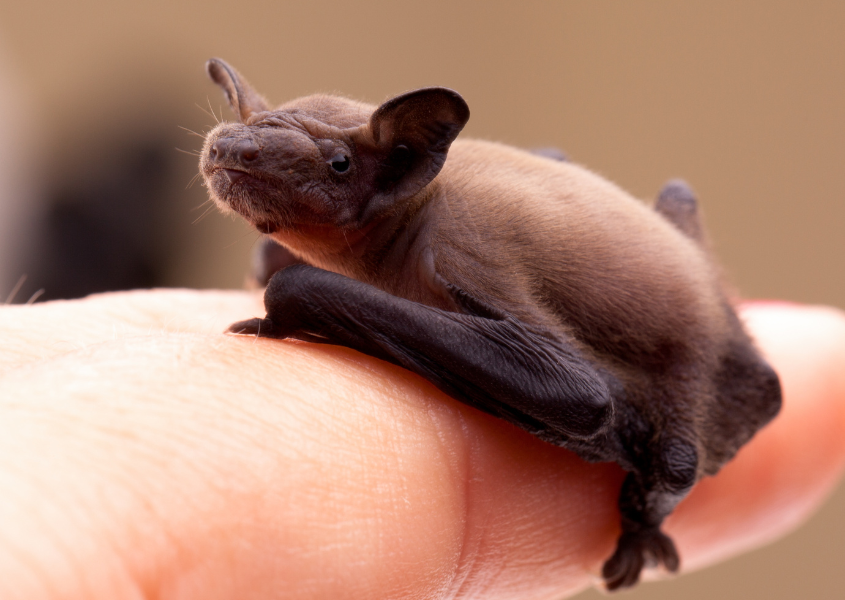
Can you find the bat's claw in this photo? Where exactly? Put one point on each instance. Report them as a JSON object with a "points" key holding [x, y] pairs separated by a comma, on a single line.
{"points": [[636, 550], [256, 327]]}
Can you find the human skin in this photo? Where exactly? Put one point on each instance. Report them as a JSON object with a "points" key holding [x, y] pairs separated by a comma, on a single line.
{"points": [[143, 453]]}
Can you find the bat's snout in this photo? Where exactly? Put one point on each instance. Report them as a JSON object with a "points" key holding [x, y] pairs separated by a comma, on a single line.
{"points": [[233, 152]]}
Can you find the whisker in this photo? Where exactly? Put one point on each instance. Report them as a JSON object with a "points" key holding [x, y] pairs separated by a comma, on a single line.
{"points": [[238, 241], [191, 131], [203, 215], [345, 239], [203, 109], [15, 289], [35, 297], [193, 180], [202, 204], [212, 111], [190, 152]]}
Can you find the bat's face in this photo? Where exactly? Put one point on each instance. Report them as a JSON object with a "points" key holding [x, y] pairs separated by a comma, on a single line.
{"points": [[285, 169], [325, 161]]}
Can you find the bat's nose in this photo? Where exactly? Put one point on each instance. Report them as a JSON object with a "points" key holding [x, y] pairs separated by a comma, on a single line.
{"points": [[243, 150]]}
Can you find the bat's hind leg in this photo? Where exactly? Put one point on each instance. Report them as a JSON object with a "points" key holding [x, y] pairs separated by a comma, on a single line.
{"points": [[646, 499]]}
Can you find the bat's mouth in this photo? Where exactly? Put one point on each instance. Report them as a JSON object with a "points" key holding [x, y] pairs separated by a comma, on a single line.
{"points": [[234, 175], [231, 177], [234, 185]]}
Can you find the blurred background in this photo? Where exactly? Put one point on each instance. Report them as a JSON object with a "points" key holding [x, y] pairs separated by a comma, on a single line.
{"points": [[745, 100]]}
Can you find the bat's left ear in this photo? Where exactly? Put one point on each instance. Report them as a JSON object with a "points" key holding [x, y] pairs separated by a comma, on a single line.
{"points": [[411, 134], [244, 100]]}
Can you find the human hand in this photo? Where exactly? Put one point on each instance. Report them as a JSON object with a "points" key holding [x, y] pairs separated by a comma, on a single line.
{"points": [[144, 453]]}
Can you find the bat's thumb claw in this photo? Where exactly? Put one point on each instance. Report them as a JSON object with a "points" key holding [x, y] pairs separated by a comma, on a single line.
{"points": [[256, 327]]}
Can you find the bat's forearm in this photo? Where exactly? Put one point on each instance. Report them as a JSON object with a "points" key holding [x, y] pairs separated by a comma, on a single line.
{"points": [[482, 357]]}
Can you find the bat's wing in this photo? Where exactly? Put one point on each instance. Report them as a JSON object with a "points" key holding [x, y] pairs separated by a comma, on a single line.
{"points": [[482, 356]]}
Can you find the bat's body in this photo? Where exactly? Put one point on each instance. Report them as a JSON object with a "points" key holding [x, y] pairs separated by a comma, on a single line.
{"points": [[527, 287]]}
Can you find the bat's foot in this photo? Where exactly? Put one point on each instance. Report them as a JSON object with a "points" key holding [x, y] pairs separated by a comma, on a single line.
{"points": [[256, 327], [636, 550]]}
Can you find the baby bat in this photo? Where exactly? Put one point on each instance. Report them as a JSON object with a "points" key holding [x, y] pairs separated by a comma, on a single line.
{"points": [[524, 286]]}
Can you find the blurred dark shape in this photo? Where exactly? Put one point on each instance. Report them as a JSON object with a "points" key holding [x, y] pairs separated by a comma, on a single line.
{"points": [[268, 258], [550, 152], [106, 229]]}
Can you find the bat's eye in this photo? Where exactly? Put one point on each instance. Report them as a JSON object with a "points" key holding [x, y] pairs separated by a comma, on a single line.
{"points": [[340, 163]]}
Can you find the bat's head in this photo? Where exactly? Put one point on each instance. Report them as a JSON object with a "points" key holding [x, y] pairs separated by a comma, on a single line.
{"points": [[325, 160]]}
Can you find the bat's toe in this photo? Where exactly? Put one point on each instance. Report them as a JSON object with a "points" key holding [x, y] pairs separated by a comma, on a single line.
{"points": [[635, 551]]}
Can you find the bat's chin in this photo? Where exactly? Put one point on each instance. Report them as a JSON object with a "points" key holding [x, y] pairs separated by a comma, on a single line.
{"points": [[240, 192], [263, 205]]}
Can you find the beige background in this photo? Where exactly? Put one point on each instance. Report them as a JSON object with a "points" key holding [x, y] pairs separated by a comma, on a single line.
{"points": [[746, 100]]}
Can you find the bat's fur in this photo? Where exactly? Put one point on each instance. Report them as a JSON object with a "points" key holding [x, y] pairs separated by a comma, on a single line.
{"points": [[630, 291]]}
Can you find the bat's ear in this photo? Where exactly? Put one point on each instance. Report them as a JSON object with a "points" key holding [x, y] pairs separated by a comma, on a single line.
{"points": [[411, 135], [244, 100]]}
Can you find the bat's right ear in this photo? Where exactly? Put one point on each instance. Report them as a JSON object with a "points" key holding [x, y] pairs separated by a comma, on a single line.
{"points": [[409, 136], [244, 100]]}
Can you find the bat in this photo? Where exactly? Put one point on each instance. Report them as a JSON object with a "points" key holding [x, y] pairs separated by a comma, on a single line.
{"points": [[519, 283]]}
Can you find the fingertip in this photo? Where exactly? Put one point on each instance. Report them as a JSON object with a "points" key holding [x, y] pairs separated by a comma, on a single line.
{"points": [[787, 470]]}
